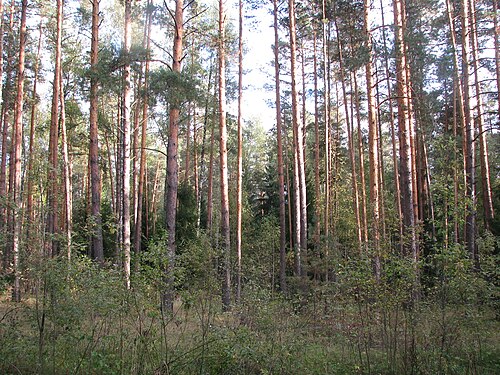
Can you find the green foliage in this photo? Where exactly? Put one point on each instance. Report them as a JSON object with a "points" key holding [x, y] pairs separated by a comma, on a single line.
{"points": [[173, 88]]}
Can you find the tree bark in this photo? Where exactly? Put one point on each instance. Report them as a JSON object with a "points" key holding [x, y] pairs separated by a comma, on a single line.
{"points": [[279, 134], [17, 151], [489, 213], [405, 136], [299, 144], [97, 248], [224, 190], [173, 166], [52, 244], [373, 148], [144, 126], [239, 188]]}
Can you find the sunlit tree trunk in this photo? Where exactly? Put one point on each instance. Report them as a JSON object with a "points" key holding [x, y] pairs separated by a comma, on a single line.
{"points": [[496, 33], [373, 147], [239, 182], [172, 178], [279, 134], [127, 93], [299, 143], [17, 151], [67, 172], [224, 188]]}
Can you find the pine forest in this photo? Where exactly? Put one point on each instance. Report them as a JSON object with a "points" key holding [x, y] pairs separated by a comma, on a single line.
{"points": [[250, 187]]}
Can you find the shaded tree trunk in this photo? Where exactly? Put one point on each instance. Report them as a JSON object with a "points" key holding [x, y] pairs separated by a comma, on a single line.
{"points": [[97, 249], [53, 185]]}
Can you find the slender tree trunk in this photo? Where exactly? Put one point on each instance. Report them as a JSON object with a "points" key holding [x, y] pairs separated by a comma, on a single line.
{"points": [[97, 249], [172, 165], [31, 148], [17, 148], [350, 143], [279, 135], [483, 146], [67, 172], [224, 190], [53, 185], [144, 126], [326, 115], [405, 152], [239, 188], [127, 92], [299, 143], [317, 191], [364, 215], [469, 150], [496, 33], [373, 147]]}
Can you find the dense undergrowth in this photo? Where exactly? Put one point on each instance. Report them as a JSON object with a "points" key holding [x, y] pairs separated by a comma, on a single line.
{"points": [[79, 319]]}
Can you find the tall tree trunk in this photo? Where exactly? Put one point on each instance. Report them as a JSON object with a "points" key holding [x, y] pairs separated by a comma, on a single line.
{"points": [[364, 216], [317, 191], [405, 151], [496, 33], [144, 126], [279, 135], [224, 190], [350, 143], [239, 188], [326, 119], [469, 150], [31, 147], [127, 92], [17, 148], [483, 146], [299, 142], [67, 172], [373, 147], [172, 165], [97, 248], [53, 185]]}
